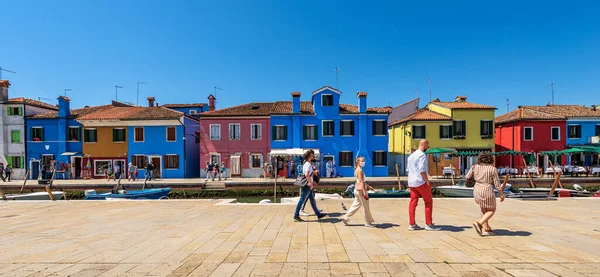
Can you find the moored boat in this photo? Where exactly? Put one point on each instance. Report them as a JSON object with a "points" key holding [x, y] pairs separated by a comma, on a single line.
{"points": [[145, 194], [42, 195], [318, 196], [389, 194]]}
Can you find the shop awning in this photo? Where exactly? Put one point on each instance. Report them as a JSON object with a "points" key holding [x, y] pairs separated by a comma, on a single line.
{"points": [[69, 153], [291, 152]]}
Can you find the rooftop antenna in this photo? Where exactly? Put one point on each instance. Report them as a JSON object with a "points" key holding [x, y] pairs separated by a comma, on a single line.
{"points": [[67, 89], [429, 88], [117, 92], [552, 85], [3, 69], [417, 93], [507, 105], [137, 100], [40, 98], [337, 83], [217, 88]]}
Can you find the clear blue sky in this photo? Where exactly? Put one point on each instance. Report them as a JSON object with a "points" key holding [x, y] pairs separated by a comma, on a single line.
{"points": [[263, 50]]}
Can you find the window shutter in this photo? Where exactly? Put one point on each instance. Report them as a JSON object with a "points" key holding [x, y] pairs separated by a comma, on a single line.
{"points": [[304, 132], [374, 127], [284, 132], [42, 133], [176, 161], [597, 130], [9, 160], [20, 110], [441, 131], [316, 132], [352, 127], [273, 130], [22, 161], [579, 131], [481, 131], [114, 135], [9, 110], [333, 128]]}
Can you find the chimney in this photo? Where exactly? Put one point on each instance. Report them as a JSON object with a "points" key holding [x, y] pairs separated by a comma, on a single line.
{"points": [[156, 104], [295, 102], [151, 101], [594, 107], [211, 102], [4, 84], [520, 113], [362, 102], [460, 99], [64, 107]]}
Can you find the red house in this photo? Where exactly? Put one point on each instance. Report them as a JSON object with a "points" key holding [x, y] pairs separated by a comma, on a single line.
{"points": [[527, 130], [238, 136]]}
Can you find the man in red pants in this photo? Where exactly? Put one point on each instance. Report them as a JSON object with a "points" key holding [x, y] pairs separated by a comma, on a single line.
{"points": [[419, 187]]}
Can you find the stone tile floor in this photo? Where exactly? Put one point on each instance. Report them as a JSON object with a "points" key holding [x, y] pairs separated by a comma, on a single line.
{"points": [[207, 238]]}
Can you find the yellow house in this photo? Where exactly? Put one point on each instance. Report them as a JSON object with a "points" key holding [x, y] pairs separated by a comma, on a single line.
{"points": [[457, 125]]}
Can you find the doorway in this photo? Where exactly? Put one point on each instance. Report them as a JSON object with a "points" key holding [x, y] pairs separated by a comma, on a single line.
{"points": [[329, 173], [236, 169], [76, 166], [35, 169], [156, 163], [121, 164]]}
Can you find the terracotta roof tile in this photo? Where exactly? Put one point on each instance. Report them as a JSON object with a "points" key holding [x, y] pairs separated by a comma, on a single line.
{"points": [[282, 108], [423, 115], [462, 105], [525, 113], [191, 105], [74, 113], [251, 109], [285, 108], [361, 94], [296, 93], [351, 109], [31, 102], [568, 111], [132, 113], [4, 83]]}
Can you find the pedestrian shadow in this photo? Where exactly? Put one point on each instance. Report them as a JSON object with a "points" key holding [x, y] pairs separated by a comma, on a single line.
{"points": [[453, 229], [386, 225], [508, 233]]}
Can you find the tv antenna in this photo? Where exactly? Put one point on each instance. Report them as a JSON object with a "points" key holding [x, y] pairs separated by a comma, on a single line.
{"points": [[67, 89], [337, 83], [4, 69], [507, 105], [552, 85], [417, 91], [40, 98], [429, 88], [217, 88]]}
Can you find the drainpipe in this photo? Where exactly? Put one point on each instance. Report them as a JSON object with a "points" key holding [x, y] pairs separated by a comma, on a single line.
{"points": [[25, 140], [512, 157], [184, 148], [404, 146]]}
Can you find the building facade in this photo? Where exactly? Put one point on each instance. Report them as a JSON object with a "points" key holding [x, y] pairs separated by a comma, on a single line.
{"points": [[14, 132]]}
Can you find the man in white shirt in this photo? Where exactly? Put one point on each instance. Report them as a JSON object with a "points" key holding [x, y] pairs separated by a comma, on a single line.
{"points": [[419, 185]]}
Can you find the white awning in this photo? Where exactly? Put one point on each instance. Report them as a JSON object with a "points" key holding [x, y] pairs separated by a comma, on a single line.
{"points": [[68, 153], [291, 152]]}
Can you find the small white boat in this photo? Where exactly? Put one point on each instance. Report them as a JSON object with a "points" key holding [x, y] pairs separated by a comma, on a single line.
{"points": [[318, 196], [456, 191], [35, 196]]}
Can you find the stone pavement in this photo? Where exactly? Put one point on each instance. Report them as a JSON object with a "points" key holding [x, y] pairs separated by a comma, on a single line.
{"points": [[209, 238]]}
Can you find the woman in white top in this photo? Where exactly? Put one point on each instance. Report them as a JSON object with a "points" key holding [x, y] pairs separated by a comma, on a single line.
{"points": [[361, 197]]}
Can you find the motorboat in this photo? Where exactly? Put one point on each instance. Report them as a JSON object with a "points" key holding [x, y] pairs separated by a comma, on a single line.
{"points": [[389, 193], [42, 195], [145, 194], [318, 196], [462, 191], [578, 191]]}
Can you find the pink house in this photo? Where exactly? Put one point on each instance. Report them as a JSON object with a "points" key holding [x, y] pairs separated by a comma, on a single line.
{"points": [[238, 136]]}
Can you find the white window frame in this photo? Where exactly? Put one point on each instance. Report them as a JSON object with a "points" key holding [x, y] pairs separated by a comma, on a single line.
{"points": [[380, 120], [314, 126], [80, 134], [143, 134], [340, 153], [424, 133], [449, 133], [277, 126], [251, 156], [322, 96], [167, 134], [524, 133], [341, 124], [378, 151], [323, 128], [95, 166], [259, 132], [167, 160], [210, 134], [569, 130], [143, 166], [239, 137], [210, 155], [90, 130], [125, 141], [36, 127], [551, 129]]}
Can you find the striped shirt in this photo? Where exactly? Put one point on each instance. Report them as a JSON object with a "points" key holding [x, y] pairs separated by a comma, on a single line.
{"points": [[486, 178]]}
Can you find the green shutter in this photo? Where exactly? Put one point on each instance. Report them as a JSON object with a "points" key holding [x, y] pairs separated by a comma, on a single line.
{"points": [[316, 132], [86, 136], [441, 131], [9, 160], [284, 132], [22, 161], [333, 128], [304, 132], [15, 136], [578, 131], [114, 135], [42, 134], [352, 128], [20, 110], [9, 110], [273, 128], [481, 127], [597, 130]]}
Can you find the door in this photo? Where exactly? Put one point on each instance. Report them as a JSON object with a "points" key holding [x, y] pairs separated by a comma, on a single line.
{"points": [[329, 172], [236, 169], [35, 169], [157, 166], [121, 164], [77, 166]]}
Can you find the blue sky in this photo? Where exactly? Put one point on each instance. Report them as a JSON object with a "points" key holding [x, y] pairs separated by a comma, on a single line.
{"points": [[263, 50]]}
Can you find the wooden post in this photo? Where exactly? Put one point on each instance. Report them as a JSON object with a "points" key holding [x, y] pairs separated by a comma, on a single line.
{"points": [[275, 188], [144, 186], [400, 186], [2, 195], [556, 181], [504, 184], [552, 165], [24, 181], [49, 192], [528, 175], [452, 173]]}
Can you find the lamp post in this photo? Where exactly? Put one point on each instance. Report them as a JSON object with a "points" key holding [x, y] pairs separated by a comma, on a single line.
{"points": [[138, 92]]}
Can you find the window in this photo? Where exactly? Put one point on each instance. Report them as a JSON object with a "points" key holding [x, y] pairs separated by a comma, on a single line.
{"points": [[74, 134], [460, 128], [14, 110], [47, 159], [171, 161], [255, 161], [215, 158], [446, 131], [347, 128], [379, 128], [15, 136], [171, 134], [138, 134], [327, 100], [574, 131], [379, 158], [90, 135], [279, 132], [555, 133], [118, 135], [346, 158], [328, 128], [16, 161], [193, 112], [256, 131], [215, 131], [37, 134], [139, 161], [528, 136], [234, 131], [486, 128], [309, 132], [418, 132]]}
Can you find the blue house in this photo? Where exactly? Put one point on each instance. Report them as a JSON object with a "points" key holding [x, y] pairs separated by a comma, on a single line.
{"points": [[193, 109], [335, 131], [57, 137]]}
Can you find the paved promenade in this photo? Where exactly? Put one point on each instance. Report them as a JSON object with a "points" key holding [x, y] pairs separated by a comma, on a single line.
{"points": [[208, 238]]}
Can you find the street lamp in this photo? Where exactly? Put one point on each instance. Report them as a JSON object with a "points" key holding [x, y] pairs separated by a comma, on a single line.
{"points": [[137, 101]]}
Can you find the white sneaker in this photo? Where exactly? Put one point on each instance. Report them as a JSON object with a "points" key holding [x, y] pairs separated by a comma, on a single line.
{"points": [[320, 211], [414, 227], [303, 213], [345, 220], [432, 227], [369, 225]]}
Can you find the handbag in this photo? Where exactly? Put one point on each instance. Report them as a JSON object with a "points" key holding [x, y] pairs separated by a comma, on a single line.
{"points": [[301, 181]]}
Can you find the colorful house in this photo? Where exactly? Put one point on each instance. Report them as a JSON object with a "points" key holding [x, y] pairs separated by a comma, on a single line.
{"points": [[335, 131], [14, 131], [193, 109], [528, 129], [237, 136], [57, 136], [166, 138], [459, 125]]}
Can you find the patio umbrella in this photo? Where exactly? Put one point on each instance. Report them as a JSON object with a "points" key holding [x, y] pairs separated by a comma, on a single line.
{"points": [[509, 153], [438, 151]]}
